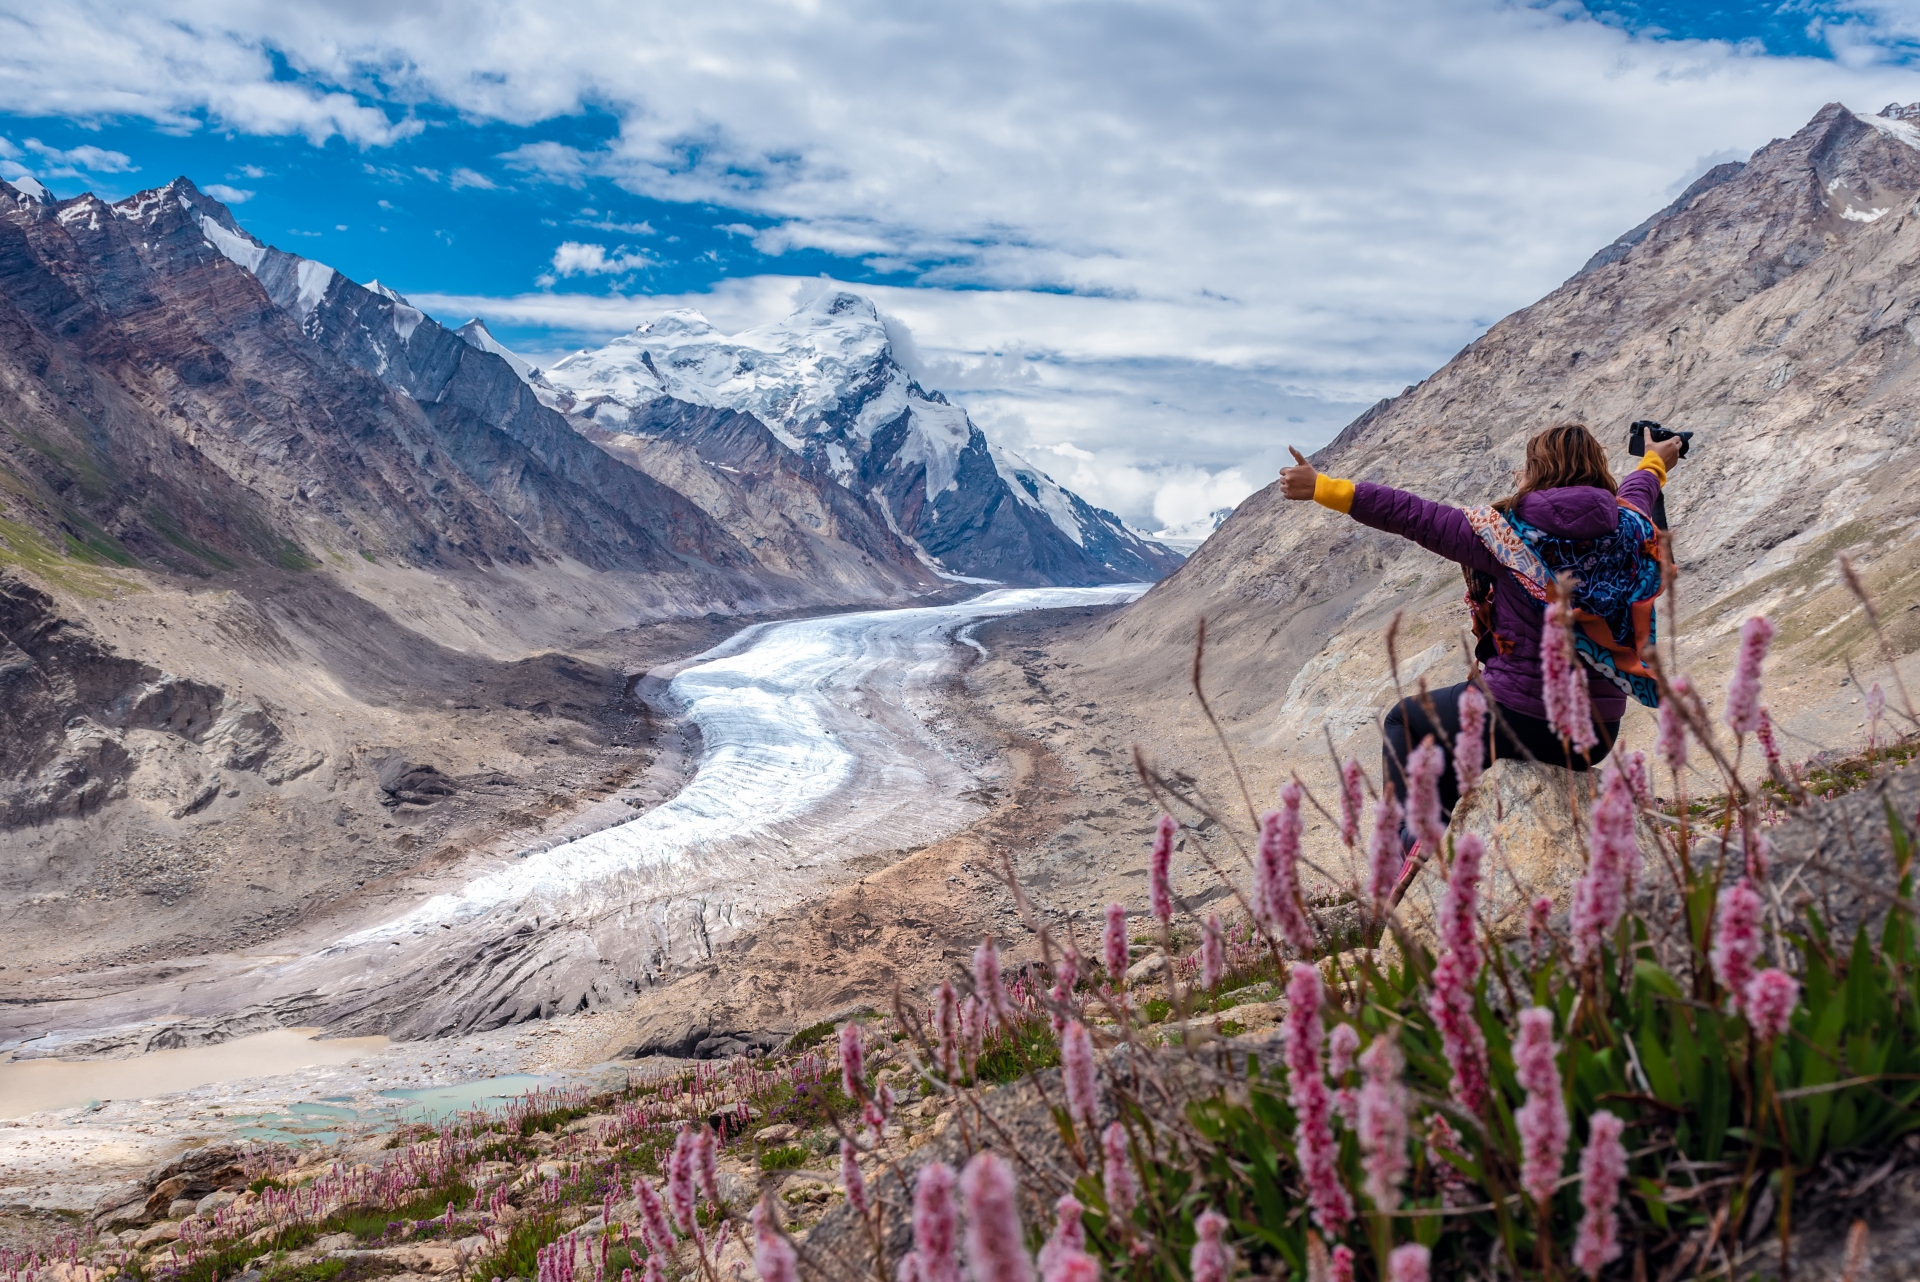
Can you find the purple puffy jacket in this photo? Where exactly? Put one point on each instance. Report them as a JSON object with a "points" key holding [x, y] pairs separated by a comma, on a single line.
{"points": [[1578, 512]]}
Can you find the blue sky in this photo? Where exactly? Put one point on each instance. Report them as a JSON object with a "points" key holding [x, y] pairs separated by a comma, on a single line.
{"points": [[1149, 243]]}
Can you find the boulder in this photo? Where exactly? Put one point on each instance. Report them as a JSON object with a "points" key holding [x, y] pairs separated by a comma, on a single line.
{"points": [[412, 783], [193, 1174], [1533, 819], [1146, 968]]}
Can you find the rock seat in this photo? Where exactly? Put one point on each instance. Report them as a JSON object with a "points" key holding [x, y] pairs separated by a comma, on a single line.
{"points": [[1533, 819]]}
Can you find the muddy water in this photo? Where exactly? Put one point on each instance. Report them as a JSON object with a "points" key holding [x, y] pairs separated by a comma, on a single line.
{"points": [[34, 1086]]}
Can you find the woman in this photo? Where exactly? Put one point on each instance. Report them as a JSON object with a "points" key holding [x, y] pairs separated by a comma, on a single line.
{"points": [[1567, 517]]}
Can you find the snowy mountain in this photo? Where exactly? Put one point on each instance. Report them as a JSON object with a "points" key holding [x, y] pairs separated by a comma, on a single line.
{"points": [[1186, 537], [825, 382]]}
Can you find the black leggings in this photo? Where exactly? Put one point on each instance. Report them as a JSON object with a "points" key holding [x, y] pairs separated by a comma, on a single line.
{"points": [[1513, 734]]}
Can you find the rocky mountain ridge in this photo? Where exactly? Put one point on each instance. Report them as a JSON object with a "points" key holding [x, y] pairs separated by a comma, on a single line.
{"points": [[1774, 309], [827, 384]]}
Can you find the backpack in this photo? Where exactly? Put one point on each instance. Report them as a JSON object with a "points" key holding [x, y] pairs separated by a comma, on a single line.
{"points": [[1617, 578]]}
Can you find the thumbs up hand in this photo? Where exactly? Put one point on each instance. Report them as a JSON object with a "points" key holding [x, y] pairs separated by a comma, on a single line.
{"points": [[1297, 482]]}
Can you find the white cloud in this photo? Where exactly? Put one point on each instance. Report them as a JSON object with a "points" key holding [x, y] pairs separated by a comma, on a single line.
{"points": [[574, 258], [464, 177], [1264, 217], [227, 195], [87, 157]]}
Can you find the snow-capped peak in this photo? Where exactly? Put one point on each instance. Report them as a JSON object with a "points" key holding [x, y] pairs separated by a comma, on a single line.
{"points": [[680, 323], [476, 334], [32, 188], [825, 381], [1185, 536]]}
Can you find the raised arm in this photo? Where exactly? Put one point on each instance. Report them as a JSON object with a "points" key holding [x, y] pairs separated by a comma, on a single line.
{"points": [[1434, 526]]}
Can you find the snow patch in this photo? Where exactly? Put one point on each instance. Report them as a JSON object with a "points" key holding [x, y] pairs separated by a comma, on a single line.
{"points": [[1898, 130], [935, 438], [28, 185], [236, 247], [406, 319], [1038, 491], [1853, 215], [312, 281]]}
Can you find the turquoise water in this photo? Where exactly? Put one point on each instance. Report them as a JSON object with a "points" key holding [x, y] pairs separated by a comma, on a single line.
{"points": [[431, 1103]]}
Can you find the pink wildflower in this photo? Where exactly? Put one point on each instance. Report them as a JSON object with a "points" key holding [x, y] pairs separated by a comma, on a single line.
{"points": [[1072, 1266], [1470, 745], [1076, 1068], [1424, 765], [653, 1218], [1353, 795], [1385, 854], [946, 1027], [1383, 1123], [1122, 1186], [878, 1108], [1342, 1045], [853, 1061], [1065, 974], [1673, 726], [908, 1270], [1069, 1236], [1213, 954], [680, 1196], [1539, 914], [1542, 1120], [1116, 943], [1211, 1261], [851, 1179], [772, 1253], [1736, 939], [934, 1224], [1451, 1001], [1160, 870], [1318, 1154], [1409, 1263], [1769, 747], [1276, 893], [996, 1247], [1341, 1269], [973, 1020], [1563, 677], [1759, 853], [1634, 764], [1603, 1165], [987, 985], [1600, 898], [1771, 997], [1743, 688], [706, 1162]]}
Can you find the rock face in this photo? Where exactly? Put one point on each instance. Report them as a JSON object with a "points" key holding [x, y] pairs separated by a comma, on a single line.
{"points": [[827, 385], [1774, 309]]}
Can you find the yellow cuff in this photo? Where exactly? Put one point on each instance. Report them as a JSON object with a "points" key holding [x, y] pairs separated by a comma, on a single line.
{"points": [[1331, 491], [1652, 463]]}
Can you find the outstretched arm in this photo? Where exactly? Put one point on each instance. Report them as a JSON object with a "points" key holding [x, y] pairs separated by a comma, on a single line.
{"points": [[1434, 526]]}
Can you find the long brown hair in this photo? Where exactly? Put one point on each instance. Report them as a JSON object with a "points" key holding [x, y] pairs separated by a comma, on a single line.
{"points": [[1559, 457]]}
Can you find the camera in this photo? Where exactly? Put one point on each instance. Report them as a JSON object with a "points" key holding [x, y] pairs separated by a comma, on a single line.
{"points": [[1644, 430]]}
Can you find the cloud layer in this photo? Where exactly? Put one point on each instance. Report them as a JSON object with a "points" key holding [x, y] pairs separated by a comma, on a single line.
{"points": [[1154, 241]]}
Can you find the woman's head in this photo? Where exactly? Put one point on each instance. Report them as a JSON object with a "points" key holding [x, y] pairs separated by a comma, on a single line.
{"points": [[1560, 457]]}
